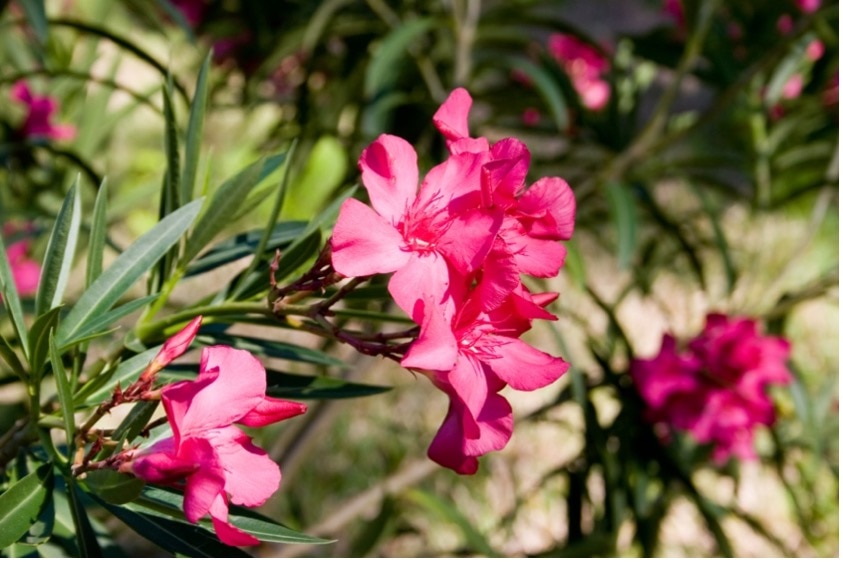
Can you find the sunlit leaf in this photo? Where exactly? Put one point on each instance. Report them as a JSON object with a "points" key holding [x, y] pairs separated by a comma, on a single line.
{"points": [[21, 504]]}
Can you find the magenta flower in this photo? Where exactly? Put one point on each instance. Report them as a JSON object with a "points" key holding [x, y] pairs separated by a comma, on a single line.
{"points": [[676, 11], [192, 10], [174, 347], [215, 461], [585, 65], [25, 271], [486, 355], [37, 123], [808, 6], [715, 388], [421, 234]]}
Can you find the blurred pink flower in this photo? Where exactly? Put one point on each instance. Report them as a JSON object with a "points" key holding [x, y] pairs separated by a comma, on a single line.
{"points": [[531, 117], [676, 11], [40, 110], [25, 271], [715, 388], [792, 88], [784, 24], [585, 65], [215, 460], [815, 50], [808, 6]]}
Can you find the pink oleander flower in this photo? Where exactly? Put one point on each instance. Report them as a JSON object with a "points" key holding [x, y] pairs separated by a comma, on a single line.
{"points": [[531, 117], [808, 6], [25, 271], [37, 123], [458, 247], [784, 24], [214, 461], [421, 234], [815, 50], [715, 388], [472, 356], [585, 65]]}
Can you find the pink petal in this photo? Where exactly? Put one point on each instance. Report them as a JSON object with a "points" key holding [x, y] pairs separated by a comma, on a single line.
{"points": [[522, 366], [551, 208], [159, 464], [226, 532], [470, 430], [176, 345], [498, 277], [205, 484], [454, 183], [452, 116], [469, 238], [424, 275], [21, 92], [391, 176], [27, 274], [504, 175], [363, 243], [271, 410], [251, 477], [436, 347], [539, 258], [230, 384]]}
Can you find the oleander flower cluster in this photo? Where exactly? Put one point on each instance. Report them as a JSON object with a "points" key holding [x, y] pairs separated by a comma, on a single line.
{"points": [[715, 387], [213, 460], [457, 245], [40, 111]]}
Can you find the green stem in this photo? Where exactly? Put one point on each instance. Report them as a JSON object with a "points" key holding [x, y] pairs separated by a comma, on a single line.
{"points": [[146, 331]]}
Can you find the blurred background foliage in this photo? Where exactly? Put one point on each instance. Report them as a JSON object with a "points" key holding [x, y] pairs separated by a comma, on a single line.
{"points": [[707, 181]]}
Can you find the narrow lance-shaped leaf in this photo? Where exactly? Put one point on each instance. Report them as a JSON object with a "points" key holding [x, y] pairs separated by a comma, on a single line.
{"points": [[58, 259], [224, 204], [172, 194], [96, 239], [39, 342], [37, 17], [86, 538], [195, 124], [126, 270], [7, 352], [388, 60], [64, 390], [622, 211], [102, 323], [22, 502]]}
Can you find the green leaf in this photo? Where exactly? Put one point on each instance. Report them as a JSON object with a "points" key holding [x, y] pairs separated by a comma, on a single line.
{"points": [[245, 244], [281, 350], [172, 194], [135, 421], [103, 322], [36, 15], [64, 391], [302, 387], [7, 352], [41, 531], [126, 269], [21, 504], [447, 512], [388, 59], [546, 86], [39, 342], [195, 124], [11, 299], [96, 239], [168, 504], [114, 487], [124, 374], [225, 201], [86, 538], [625, 219], [175, 537], [61, 248]]}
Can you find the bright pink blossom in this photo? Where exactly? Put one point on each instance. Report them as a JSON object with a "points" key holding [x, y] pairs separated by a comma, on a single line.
{"points": [[458, 246], [25, 271], [40, 110], [175, 346], [585, 65], [715, 388], [472, 356], [216, 461]]}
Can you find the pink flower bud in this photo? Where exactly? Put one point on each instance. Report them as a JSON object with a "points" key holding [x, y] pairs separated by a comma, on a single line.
{"points": [[174, 347]]}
